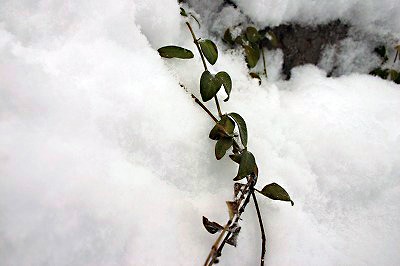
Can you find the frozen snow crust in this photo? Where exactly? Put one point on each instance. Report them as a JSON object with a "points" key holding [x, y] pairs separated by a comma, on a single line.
{"points": [[104, 159]]}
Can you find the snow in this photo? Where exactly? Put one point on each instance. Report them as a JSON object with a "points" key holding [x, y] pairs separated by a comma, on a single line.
{"points": [[105, 160]]}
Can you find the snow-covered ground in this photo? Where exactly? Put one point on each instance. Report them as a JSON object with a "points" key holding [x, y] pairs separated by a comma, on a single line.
{"points": [[105, 160]]}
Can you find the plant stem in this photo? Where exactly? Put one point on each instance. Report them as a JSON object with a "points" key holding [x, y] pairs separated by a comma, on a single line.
{"points": [[197, 45], [263, 57], [218, 107], [263, 239], [204, 108]]}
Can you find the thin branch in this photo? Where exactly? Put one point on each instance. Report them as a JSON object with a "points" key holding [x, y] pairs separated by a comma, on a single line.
{"points": [[218, 107], [205, 108], [214, 248], [197, 45], [263, 239], [263, 57]]}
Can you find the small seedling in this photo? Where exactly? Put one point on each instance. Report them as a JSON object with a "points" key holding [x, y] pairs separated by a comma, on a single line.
{"points": [[224, 132]]}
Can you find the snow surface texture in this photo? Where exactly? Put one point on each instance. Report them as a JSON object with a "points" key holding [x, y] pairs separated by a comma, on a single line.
{"points": [[104, 159]]}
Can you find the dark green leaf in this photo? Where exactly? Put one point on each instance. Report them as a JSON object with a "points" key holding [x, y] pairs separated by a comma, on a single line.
{"points": [[394, 75], [209, 50], [247, 165], [383, 73], [252, 55], [225, 79], [276, 192], [172, 51], [224, 128], [252, 35], [212, 227], [239, 40], [222, 145], [380, 50], [242, 127], [255, 76], [228, 37], [235, 157], [272, 39], [209, 86], [183, 12]]}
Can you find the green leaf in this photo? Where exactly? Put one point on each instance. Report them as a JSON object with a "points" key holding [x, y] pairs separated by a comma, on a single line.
{"points": [[247, 165], [222, 146], [209, 50], [235, 157], [255, 76], [228, 37], [272, 39], [253, 35], [242, 127], [394, 75], [224, 128], [225, 79], [252, 55], [172, 51], [383, 73], [183, 12], [276, 192], [209, 86], [211, 227]]}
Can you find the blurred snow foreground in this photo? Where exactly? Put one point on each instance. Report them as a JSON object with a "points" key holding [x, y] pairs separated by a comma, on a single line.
{"points": [[105, 160]]}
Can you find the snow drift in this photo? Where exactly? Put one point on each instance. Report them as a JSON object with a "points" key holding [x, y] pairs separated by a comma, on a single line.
{"points": [[104, 159]]}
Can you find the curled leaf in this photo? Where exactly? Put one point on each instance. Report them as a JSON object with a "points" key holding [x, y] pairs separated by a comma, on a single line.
{"points": [[212, 227], [242, 127], [172, 51], [224, 128], [222, 146], [247, 165], [235, 157], [209, 50], [276, 192], [226, 81]]}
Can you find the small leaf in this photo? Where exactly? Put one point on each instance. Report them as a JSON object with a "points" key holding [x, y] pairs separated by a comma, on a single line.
{"points": [[172, 51], [225, 80], [242, 127], [394, 75], [255, 76], [209, 50], [183, 12], [224, 128], [383, 73], [209, 86], [380, 50], [252, 55], [252, 35], [397, 48], [235, 157], [222, 146], [247, 165], [228, 37], [212, 227], [233, 208], [276, 192], [272, 39]]}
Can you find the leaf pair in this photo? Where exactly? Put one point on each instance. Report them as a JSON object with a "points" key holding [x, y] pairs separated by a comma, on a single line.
{"points": [[210, 84]]}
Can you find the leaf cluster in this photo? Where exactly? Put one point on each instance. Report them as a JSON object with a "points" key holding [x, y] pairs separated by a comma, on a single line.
{"points": [[384, 72]]}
